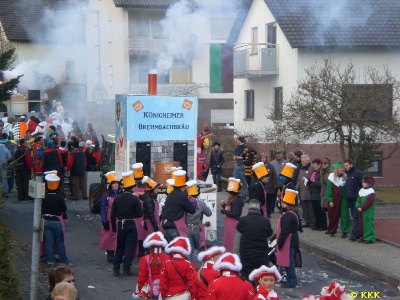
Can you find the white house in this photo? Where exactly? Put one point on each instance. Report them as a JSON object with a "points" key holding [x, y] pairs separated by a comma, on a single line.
{"points": [[279, 39]]}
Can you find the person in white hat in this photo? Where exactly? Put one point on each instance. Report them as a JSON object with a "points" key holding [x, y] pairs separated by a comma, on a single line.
{"points": [[230, 284], [178, 276], [206, 274], [107, 237], [257, 189], [125, 209], [176, 207], [139, 190], [54, 214], [148, 282], [266, 277]]}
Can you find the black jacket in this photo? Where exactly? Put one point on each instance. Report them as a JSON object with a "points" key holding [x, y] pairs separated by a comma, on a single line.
{"points": [[257, 191], [236, 208], [54, 204], [353, 183], [315, 187], [125, 206], [216, 161], [273, 183], [148, 209], [176, 205], [255, 230], [289, 225]]}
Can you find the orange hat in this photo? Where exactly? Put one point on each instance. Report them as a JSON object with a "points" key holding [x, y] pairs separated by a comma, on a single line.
{"points": [[210, 253], [150, 183], [170, 185], [111, 177], [228, 262], [137, 170], [192, 188], [290, 196], [233, 185], [180, 178], [265, 271], [179, 245], [128, 180], [52, 181], [288, 170], [155, 239], [260, 170]]}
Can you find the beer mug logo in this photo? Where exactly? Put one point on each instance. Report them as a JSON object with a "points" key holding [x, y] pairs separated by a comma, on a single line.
{"points": [[187, 104], [137, 106]]}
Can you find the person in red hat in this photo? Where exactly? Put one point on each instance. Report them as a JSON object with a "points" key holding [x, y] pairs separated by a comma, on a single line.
{"points": [[230, 285], [366, 209], [206, 274], [178, 277], [266, 278], [148, 284]]}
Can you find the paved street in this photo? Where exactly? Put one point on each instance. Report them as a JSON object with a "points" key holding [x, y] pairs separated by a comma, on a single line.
{"points": [[94, 274]]}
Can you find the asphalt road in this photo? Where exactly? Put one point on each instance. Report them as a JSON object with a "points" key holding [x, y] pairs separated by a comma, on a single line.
{"points": [[94, 278]]}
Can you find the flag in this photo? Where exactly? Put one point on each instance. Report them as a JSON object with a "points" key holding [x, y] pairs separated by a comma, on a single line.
{"points": [[221, 68]]}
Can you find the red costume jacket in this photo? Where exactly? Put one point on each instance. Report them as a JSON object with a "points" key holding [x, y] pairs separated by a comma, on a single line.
{"points": [[209, 275], [265, 295], [177, 277], [230, 286], [143, 276]]}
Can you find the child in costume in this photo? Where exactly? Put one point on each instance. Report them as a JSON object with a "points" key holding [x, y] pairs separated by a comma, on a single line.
{"points": [[230, 285], [334, 291], [266, 278], [366, 208], [178, 277], [206, 274], [150, 267]]}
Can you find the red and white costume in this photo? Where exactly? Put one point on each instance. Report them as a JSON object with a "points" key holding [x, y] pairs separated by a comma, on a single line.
{"points": [[256, 274], [177, 274], [229, 285], [207, 274], [152, 262]]}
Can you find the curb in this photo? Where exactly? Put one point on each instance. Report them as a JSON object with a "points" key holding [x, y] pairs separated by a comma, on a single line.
{"points": [[387, 242], [351, 264]]}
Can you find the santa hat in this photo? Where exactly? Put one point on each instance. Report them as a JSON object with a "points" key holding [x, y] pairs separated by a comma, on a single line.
{"points": [[260, 170], [150, 183], [179, 245], [155, 239], [211, 252], [192, 188], [180, 178], [228, 262], [233, 185], [265, 271], [137, 170]]}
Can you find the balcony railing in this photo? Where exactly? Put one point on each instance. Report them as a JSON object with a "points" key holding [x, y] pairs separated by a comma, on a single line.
{"points": [[139, 45], [255, 60]]}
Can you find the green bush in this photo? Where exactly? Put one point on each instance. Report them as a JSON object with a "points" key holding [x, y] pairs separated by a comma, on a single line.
{"points": [[9, 283]]}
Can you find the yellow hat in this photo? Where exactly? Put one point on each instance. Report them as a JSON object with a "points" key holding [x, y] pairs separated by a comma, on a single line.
{"points": [[137, 170], [173, 169], [111, 177], [150, 183], [170, 185], [128, 180], [260, 170], [233, 185], [180, 178], [288, 170], [192, 188], [51, 172], [290, 196], [52, 181]]}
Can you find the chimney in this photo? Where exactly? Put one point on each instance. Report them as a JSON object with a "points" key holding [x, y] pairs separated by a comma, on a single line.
{"points": [[152, 82]]}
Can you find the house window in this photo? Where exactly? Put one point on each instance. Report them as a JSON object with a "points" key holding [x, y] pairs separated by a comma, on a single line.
{"points": [[150, 28], [142, 27], [249, 104], [70, 70], [270, 30], [376, 168], [254, 40], [278, 97]]}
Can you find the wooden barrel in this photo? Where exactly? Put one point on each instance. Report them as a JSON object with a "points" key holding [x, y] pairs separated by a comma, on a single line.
{"points": [[162, 171]]}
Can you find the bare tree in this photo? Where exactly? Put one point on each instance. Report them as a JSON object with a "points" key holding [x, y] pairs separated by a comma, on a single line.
{"points": [[330, 105]]}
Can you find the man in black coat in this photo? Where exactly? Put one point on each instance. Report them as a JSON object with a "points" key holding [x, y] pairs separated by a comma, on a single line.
{"points": [[216, 162], [257, 189], [255, 230]]}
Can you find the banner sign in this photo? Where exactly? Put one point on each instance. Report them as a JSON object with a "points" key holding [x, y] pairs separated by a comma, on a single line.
{"points": [[161, 118]]}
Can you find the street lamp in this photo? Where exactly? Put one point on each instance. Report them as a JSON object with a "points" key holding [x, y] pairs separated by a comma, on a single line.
{"points": [[99, 92]]}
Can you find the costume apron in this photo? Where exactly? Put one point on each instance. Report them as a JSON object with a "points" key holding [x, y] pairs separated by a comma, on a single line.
{"points": [[150, 228], [43, 242], [283, 255], [202, 235], [229, 231], [264, 207], [181, 226], [108, 238]]}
